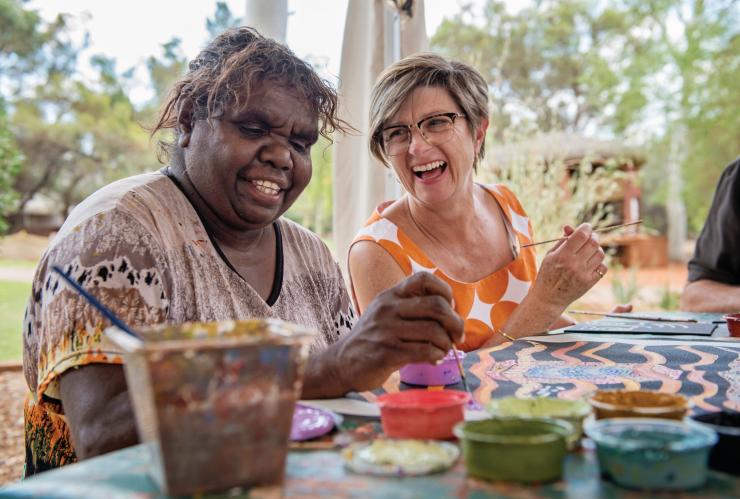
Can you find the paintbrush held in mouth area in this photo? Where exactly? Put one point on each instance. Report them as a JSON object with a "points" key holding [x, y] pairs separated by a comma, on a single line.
{"points": [[597, 229], [633, 317]]}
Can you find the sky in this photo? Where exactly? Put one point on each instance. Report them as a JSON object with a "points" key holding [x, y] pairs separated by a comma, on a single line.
{"points": [[131, 31]]}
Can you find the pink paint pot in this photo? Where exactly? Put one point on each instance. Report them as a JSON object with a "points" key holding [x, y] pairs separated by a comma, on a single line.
{"points": [[733, 324], [422, 413], [426, 374]]}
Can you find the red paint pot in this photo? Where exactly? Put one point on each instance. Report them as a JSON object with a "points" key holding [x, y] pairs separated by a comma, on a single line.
{"points": [[422, 413], [733, 324]]}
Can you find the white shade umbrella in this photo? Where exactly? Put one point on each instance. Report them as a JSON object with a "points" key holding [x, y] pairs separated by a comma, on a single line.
{"points": [[376, 33]]}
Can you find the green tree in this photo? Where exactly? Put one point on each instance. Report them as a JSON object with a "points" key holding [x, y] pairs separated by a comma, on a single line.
{"points": [[313, 209], [659, 73], [10, 165], [222, 19]]}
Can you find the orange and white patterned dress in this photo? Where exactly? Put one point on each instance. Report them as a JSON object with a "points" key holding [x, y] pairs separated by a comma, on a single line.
{"points": [[485, 305]]}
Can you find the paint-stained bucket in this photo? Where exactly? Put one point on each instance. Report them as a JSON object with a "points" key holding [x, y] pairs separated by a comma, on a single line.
{"points": [[214, 401], [422, 413], [511, 449], [652, 454]]}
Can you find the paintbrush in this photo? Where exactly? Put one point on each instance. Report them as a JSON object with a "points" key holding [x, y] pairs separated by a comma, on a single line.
{"points": [[108, 313], [635, 317], [462, 371], [598, 229]]}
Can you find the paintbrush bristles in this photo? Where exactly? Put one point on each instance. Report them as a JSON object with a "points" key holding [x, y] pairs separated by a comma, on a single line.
{"points": [[598, 229]]}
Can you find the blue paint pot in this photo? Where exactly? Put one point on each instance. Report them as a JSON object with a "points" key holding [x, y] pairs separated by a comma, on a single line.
{"points": [[652, 454]]}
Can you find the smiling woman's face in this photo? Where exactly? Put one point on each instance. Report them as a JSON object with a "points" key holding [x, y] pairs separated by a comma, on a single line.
{"points": [[251, 164], [432, 174]]}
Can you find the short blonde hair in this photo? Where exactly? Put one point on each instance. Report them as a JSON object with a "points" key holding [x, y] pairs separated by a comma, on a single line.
{"points": [[463, 82]]}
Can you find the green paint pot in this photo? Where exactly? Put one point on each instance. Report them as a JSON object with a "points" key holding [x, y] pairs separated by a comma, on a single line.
{"points": [[518, 450], [572, 411]]}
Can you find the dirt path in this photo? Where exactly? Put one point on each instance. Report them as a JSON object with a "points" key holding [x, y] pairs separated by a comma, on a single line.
{"points": [[12, 390]]}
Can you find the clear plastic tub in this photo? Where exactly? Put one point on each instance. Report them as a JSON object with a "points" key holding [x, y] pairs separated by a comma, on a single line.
{"points": [[214, 401]]}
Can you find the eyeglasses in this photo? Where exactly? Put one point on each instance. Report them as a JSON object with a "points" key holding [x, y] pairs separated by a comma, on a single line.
{"points": [[435, 130]]}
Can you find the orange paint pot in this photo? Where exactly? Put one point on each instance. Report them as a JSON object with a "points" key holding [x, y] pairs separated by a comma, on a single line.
{"points": [[422, 413]]}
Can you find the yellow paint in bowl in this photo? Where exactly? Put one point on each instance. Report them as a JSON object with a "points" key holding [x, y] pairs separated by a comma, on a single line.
{"points": [[572, 411]]}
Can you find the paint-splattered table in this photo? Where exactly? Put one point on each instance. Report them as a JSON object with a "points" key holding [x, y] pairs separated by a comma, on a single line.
{"points": [[560, 365], [125, 474]]}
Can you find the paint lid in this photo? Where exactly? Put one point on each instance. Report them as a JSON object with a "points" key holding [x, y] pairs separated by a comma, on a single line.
{"points": [[400, 457], [311, 422]]}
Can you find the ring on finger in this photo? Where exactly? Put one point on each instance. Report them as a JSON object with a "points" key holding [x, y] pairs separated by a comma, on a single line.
{"points": [[601, 274]]}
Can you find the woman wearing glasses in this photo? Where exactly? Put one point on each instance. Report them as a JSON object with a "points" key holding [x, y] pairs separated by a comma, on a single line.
{"points": [[428, 122]]}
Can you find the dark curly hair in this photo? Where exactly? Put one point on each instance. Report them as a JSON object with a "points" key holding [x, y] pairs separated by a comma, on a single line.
{"points": [[223, 73]]}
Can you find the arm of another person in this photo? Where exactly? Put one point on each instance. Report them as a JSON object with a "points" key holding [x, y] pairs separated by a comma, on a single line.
{"points": [[714, 271], [706, 295], [372, 270], [98, 409]]}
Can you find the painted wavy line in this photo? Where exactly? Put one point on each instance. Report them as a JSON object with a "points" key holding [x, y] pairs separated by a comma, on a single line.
{"points": [[487, 386], [652, 367], [562, 353], [592, 354], [709, 389]]}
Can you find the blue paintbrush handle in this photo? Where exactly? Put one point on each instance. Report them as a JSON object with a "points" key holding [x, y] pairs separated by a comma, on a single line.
{"points": [[95, 303]]}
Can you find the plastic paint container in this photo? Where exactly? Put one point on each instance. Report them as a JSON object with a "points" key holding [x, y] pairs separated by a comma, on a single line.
{"points": [[426, 374], [652, 454], [421, 414], [510, 449], [572, 411], [733, 324], [214, 401], [638, 404], [723, 456]]}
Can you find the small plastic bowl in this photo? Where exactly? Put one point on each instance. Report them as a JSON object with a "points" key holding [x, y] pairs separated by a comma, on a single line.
{"points": [[733, 324], [572, 411], [638, 404], [426, 374], [652, 454], [422, 413], [723, 456], [517, 450]]}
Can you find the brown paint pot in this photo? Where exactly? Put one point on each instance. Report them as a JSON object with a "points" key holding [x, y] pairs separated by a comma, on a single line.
{"points": [[638, 404]]}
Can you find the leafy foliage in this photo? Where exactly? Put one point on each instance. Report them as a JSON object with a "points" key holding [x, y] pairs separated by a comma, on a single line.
{"points": [[659, 73], [10, 165]]}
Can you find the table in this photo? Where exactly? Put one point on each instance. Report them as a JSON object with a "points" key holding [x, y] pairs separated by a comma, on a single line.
{"points": [[558, 365], [123, 474]]}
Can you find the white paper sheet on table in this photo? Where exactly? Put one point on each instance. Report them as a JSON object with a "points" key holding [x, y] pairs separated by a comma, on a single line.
{"points": [[352, 407], [356, 407]]}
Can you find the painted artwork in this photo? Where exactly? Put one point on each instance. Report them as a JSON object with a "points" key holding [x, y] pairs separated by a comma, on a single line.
{"points": [[708, 375]]}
